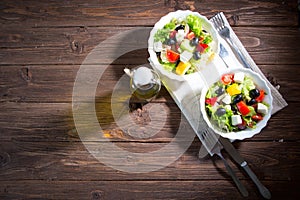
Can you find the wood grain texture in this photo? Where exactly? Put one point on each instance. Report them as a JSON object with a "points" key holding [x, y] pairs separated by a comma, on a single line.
{"points": [[42, 45], [137, 189], [142, 12], [54, 83], [72, 161], [73, 45], [54, 122]]}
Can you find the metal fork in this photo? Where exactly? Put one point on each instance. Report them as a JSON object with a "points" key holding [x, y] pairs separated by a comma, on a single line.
{"points": [[212, 144], [224, 31]]}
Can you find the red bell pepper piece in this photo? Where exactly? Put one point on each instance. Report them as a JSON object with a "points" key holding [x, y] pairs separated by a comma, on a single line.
{"points": [[243, 108], [261, 96], [201, 47], [211, 101]]}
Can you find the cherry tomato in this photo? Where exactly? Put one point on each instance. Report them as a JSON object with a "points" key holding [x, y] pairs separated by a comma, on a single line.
{"points": [[261, 96], [211, 101], [172, 56], [243, 108], [257, 117], [227, 79]]}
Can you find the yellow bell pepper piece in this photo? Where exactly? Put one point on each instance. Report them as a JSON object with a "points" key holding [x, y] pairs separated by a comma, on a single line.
{"points": [[182, 67], [233, 89]]}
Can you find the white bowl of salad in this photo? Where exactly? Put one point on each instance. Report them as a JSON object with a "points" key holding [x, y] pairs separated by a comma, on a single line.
{"points": [[181, 43], [238, 105]]}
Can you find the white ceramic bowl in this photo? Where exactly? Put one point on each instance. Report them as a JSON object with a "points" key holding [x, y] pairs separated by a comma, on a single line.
{"points": [[247, 133], [207, 25]]}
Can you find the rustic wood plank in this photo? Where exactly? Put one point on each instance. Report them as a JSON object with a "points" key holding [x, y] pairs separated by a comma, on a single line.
{"points": [[43, 43], [71, 161], [55, 83], [206, 190], [72, 45], [142, 12], [54, 122]]}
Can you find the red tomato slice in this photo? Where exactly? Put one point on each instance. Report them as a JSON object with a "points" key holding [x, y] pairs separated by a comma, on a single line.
{"points": [[243, 108], [172, 56], [227, 79], [257, 117], [211, 101], [261, 96]]}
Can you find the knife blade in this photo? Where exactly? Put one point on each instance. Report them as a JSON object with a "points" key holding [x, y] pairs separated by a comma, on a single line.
{"points": [[242, 163]]}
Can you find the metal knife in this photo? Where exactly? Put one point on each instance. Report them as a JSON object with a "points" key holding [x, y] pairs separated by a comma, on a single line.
{"points": [[213, 146], [238, 159]]}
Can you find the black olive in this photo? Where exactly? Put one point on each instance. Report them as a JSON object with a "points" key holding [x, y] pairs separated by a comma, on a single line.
{"points": [[234, 109], [179, 27], [237, 98], [171, 41], [177, 62], [220, 91], [220, 112], [251, 102], [254, 93], [196, 55], [242, 127], [204, 31], [194, 41]]}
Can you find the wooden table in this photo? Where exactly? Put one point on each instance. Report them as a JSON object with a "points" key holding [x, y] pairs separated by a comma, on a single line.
{"points": [[42, 45]]}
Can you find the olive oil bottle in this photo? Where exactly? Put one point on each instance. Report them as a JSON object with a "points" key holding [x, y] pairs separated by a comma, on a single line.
{"points": [[145, 83]]}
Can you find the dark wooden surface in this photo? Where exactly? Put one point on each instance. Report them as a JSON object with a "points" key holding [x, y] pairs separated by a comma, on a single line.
{"points": [[42, 45]]}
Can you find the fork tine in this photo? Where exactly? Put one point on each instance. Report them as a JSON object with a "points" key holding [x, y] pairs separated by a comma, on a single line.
{"points": [[220, 22], [221, 19], [209, 139], [212, 140], [215, 22]]}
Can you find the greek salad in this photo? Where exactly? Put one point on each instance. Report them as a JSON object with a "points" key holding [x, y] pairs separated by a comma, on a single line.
{"points": [[234, 103], [182, 44]]}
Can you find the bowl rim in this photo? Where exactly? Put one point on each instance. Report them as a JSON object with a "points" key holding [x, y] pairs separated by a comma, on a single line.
{"points": [[179, 13], [247, 133]]}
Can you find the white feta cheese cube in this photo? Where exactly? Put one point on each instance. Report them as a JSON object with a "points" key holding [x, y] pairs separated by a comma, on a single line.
{"points": [[239, 77], [236, 120], [180, 35], [185, 56], [158, 46], [226, 99], [228, 107], [261, 108]]}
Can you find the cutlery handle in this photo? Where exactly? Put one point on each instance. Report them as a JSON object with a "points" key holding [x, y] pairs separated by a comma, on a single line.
{"points": [[236, 180], [239, 54], [262, 189]]}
